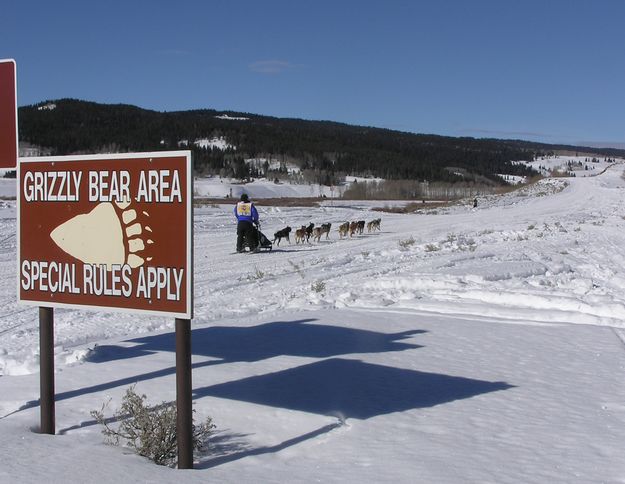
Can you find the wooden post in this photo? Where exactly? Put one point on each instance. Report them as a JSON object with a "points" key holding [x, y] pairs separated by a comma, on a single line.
{"points": [[46, 370], [184, 404]]}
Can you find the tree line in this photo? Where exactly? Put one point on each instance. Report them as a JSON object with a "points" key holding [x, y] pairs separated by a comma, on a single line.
{"points": [[323, 151]]}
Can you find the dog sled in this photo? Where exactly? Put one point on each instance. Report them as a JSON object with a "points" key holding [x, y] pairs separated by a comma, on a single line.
{"points": [[264, 244]]}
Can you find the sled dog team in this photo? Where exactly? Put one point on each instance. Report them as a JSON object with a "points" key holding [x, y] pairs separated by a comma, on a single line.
{"points": [[306, 232]]}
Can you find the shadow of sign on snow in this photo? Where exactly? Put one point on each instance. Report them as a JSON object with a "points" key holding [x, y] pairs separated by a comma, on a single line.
{"points": [[263, 341], [350, 389], [238, 343]]}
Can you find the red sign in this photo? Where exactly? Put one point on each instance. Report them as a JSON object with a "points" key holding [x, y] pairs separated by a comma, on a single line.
{"points": [[8, 115], [107, 231]]}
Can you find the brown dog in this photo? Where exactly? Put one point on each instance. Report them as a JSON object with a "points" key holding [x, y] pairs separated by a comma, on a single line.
{"points": [[374, 225], [300, 235], [343, 230], [319, 231]]}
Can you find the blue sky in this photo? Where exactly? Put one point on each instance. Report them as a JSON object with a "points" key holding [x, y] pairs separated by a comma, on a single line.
{"points": [[548, 70]]}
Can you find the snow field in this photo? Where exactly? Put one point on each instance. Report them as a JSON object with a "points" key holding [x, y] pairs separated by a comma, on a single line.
{"points": [[458, 345]]}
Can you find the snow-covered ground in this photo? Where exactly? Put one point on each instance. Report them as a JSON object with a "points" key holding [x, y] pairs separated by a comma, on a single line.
{"points": [[215, 187], [459, 345], [577, 165]]}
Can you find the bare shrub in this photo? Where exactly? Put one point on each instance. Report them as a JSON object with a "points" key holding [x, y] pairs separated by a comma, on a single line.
{"points": [[150, 430], [404, 244], [257, 275], [318, 286]]}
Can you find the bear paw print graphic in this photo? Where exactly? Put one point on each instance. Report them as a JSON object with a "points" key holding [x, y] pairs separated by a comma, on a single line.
{"points": [[111, 234]]}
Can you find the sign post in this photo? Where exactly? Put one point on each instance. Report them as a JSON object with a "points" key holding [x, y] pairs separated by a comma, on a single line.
{"points": [[8, 114], [46, 373], [109, 232], [184, 403]]}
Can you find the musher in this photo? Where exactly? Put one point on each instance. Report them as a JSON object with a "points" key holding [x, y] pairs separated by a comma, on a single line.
{"points": [[247, 217]]}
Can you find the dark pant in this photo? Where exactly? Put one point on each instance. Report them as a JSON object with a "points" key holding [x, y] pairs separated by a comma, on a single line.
{"points": [[246, 233]]}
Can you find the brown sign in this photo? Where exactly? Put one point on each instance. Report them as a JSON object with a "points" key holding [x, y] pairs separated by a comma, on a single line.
{"points": [[107, 231], [8, 115]]}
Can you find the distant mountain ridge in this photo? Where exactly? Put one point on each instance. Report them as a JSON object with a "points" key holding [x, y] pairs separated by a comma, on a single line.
{"points": [[223, 142]]}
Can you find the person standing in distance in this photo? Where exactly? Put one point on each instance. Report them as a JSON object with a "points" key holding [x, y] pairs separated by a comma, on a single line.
{"points": [[247, 217]]}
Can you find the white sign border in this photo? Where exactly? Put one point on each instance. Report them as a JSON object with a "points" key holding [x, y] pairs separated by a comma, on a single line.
{"points": [[188, 314]]}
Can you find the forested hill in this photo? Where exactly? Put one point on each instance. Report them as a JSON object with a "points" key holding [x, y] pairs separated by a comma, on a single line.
{"points": [[222, 141]]}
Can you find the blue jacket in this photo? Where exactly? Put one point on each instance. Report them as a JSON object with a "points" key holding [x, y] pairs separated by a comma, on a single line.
{"points": [[246, 211]]}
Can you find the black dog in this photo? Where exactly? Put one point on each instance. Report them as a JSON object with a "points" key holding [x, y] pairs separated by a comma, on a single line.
{"points": [[326, 228], [309, 231], [282, 234]]}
